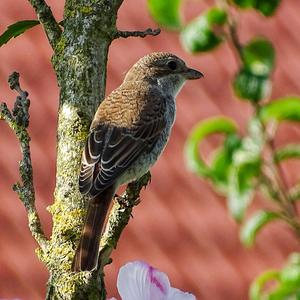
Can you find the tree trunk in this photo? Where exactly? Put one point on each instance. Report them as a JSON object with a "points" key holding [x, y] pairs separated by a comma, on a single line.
{"points": [[80, 65]]}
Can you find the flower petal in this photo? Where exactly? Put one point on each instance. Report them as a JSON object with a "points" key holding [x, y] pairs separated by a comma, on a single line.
{"points": [[176, 294], [139, 281], [160, 285]]}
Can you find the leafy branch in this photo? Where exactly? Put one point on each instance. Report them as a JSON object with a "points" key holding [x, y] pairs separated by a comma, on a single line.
{"points": [[289, 211], [244, 165]]}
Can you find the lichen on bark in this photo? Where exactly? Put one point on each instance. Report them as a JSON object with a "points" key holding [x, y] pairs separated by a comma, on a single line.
{"points": [[79, 60], [80, 63]]}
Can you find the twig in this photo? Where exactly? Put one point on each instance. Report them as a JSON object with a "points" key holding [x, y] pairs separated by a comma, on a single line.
{"points": [[18, 121], [271, 186], [45, 16], [280, 191], [232, 31], [277, 181], [282, 181], [278, 174], [294, 193], [119, 218], [126, 34]]}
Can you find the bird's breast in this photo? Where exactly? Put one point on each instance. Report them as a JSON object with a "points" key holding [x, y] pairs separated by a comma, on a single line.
{"points": [[148, 159]]}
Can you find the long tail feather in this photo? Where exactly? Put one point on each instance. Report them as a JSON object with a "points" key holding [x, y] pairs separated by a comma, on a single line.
{"points": [[86, 257]]}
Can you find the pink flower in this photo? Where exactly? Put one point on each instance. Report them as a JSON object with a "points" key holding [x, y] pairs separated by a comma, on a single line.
{"points": [[140, 281]]}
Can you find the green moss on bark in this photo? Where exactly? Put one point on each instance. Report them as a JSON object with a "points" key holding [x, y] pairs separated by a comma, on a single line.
{"points": [[80, 64]]}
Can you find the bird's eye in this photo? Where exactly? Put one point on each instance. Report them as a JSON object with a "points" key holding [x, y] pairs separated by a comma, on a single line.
{"points": [[172, 65]]}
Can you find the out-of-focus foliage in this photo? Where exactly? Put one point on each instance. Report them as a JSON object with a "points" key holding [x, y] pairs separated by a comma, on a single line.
{"points": [[278, 284], [252, 87], [201, 131], [166, 12], [266, 7], [287, 152], [244, 165], [252, 81], [16, 29], [240, 166], [254, 224], [245, 171], [259, 56], [283, 109], [200, 34]]}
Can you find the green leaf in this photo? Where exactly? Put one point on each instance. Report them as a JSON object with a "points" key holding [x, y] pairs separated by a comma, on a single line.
{"points": [[252, 226], [252, 81], [257, 287], [241, 188], [287, 282], [245, 170], [166, 12], [288, 286], [203, 129], [222, 160], [258, 57], [200, 34], [267, 7], [247, 85], [287, 152], [16, 29], [287, 108], [215, 16], [285, 292], [244, 3], [291, 275]]}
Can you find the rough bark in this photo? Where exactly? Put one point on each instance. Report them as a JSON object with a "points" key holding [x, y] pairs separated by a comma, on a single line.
{"points": [[80, 63], [79, 60]]}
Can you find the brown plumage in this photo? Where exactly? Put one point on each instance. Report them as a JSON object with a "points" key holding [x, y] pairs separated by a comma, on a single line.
{"points": [[129, 131]]}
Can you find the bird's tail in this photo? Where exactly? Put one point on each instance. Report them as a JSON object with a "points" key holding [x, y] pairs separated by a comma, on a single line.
{"points": [[86, 256]]}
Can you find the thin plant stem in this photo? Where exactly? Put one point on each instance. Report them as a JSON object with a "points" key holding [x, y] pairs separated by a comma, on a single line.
{"points": [[289, 210]]}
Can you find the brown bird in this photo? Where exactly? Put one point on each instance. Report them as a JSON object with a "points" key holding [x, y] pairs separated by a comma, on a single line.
{"points": [[129, 132]]}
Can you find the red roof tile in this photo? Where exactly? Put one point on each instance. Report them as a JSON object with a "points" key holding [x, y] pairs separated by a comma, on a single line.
{"points": [[182, 227]]}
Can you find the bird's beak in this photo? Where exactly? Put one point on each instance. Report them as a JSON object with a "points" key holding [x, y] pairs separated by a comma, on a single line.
{"points": [[193, 74]]}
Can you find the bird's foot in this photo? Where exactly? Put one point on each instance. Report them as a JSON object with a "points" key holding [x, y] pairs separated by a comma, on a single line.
{"points": [[121, 200]]}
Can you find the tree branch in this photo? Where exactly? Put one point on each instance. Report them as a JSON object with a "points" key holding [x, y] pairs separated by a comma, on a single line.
{"points": [[232, 34], [119, 218], [294, 193], [126, 34], [18, 121], [45, 16], [275, 181]]}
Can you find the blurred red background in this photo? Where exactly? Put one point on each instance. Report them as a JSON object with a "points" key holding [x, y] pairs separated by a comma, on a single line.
{"points": [[181, 227]]}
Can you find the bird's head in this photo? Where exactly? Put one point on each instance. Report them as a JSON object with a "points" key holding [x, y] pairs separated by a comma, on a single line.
{"points": [[165, 68]]}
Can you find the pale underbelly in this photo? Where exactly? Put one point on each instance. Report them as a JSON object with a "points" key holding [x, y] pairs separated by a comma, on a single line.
{"points": [[145, 161]]}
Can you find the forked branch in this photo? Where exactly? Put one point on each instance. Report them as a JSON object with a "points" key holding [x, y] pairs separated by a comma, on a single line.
{"points": [[45, 16]]}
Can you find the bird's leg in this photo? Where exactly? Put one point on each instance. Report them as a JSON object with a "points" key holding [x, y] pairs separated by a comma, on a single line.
{"points": [[121, 200], [123, 203]]}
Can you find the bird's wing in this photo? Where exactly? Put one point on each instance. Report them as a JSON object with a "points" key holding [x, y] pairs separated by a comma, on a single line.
{"points": [[110, 150]]}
